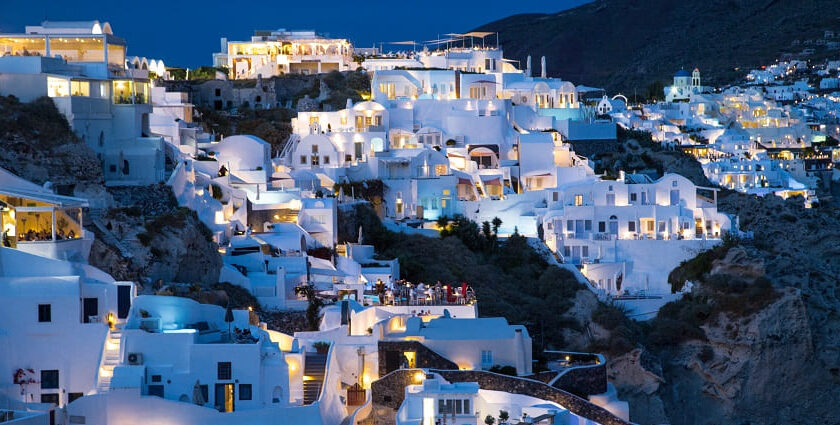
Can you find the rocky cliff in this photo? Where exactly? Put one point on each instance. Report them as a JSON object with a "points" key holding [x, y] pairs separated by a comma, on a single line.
{"points": [[141, 234]]}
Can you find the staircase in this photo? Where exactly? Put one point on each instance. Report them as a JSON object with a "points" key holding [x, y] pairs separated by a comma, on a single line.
{"points": [[110, 358], [314, 370], [288, 149], [107, 236]]}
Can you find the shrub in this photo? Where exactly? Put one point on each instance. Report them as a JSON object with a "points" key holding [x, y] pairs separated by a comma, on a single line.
{"points": [[504, 370], [216, 191]]}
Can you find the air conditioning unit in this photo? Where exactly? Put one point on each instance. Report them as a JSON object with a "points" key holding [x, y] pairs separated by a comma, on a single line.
{"points": [[135, 359]]}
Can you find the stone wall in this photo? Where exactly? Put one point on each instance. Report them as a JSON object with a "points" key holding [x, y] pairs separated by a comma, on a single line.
{"points": [[584, 381], [389, 391], [515, 385], [424, 358]]}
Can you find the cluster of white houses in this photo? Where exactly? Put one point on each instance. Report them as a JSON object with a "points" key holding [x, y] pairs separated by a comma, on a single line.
{"points": [[129, 358], [455, 131], [766, 137]]}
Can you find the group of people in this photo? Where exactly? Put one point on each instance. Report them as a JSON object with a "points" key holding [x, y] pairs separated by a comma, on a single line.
{"points": [[46, 235], [406, 293]]}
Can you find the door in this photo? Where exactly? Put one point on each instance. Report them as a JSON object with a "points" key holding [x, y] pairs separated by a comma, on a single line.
{"points": [[90, 307], [123, 301], [613, 226], [675, 197], [224, 397]]}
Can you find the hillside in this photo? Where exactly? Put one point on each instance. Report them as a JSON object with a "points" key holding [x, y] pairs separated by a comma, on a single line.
{"points": [[623, 45]]}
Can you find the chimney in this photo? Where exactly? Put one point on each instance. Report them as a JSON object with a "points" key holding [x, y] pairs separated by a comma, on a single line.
{"points": [[519, 344], [528, 67], [542, 63]]}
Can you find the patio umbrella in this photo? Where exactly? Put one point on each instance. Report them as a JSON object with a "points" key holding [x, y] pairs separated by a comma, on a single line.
{"points": [[229, 319], [198, 395]]}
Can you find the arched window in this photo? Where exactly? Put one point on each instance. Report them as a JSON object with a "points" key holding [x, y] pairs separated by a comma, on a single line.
{"points": [[613, 225]]}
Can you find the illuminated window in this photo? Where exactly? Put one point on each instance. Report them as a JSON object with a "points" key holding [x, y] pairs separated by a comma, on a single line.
{"points": [[58, 87], [80, 88], [578, 200], [441, 170]]}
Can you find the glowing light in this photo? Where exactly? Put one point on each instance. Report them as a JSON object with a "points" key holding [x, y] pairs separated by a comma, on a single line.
{"points": [[419, 376]]}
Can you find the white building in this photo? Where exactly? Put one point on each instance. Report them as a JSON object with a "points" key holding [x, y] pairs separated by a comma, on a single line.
{"points": [[278, 52], [81, 67], [435, 400], [685, 84]]}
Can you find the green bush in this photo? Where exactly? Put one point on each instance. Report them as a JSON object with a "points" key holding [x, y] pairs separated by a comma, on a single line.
{"points": [[504, 370]]}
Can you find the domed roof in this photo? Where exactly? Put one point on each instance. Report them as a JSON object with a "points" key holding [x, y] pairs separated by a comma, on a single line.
{"points": [[682, 73]]}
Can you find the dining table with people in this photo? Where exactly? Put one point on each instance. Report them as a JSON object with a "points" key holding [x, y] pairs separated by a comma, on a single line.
{"points": [[402, 292]]}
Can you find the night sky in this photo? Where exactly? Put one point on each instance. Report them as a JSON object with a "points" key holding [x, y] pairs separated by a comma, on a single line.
{"points": [[187, 33]]}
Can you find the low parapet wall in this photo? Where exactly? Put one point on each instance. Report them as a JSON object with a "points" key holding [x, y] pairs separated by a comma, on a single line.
{"points": [[390, 391]]}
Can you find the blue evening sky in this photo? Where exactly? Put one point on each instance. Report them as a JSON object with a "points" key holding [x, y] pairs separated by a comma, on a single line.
{"points": [[187, 33]]}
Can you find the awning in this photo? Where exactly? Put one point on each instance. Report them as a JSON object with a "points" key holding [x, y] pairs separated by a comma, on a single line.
{"points": [[491, 180]]}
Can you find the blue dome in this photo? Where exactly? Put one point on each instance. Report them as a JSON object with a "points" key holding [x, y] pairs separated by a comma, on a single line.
{"points": [[682, 73]]}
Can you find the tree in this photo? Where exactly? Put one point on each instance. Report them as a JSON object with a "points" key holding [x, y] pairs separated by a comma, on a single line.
{"points": [[489, 420], [503, 416], [314, 304], [497, 222]]}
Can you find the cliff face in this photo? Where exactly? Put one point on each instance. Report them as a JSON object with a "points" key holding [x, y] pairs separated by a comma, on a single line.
{"points": [[768, 363], [37, 144]]}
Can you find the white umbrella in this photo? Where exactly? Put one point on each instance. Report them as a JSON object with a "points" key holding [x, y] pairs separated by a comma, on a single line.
{"points": [[198, 395]]}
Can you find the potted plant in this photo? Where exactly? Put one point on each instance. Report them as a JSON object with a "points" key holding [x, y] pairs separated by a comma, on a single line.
{"points": [[321, 347]]}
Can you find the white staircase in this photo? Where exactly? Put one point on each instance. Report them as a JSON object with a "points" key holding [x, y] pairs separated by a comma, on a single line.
{"points": [[110, 359]]}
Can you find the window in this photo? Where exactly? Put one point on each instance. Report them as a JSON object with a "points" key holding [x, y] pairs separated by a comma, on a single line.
{"points": [[244, 391], [314, 148], [49, 379], [303, 159], [650, 224], [661, 226], [71, 397], [80, 88], [326, 159], [674, 183], [44, 313], [602, 226], [348, 158], [587, 225], [316, 160], [441, 170], [631, 226], [49, 398], [218, 92], [632, 197], [570, 225], [584, 251], [467, 410], [58, 87], [223, 370], [578, 200], [486, 358], [156, 378]]}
